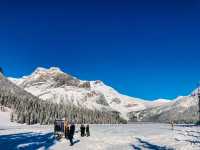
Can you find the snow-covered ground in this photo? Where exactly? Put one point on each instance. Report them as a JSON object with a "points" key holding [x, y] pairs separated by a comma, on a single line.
{"points": [[103, 137]]}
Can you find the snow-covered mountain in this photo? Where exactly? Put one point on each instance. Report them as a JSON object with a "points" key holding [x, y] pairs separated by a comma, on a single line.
{"points": [[30, 109], [182, 109], [54, 85]]}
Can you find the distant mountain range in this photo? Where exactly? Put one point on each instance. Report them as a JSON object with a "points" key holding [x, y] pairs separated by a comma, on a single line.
{"points": [[181, 110], [56, 86]]}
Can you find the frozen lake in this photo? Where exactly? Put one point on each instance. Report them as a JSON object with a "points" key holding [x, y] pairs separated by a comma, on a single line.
{"points": [[103, 137]]}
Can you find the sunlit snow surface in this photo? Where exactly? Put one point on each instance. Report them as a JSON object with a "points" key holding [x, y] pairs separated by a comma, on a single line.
{"points": [[103, 137]]}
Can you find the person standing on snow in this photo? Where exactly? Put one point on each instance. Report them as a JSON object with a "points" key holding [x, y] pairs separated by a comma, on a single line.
{"points": [[87, 130], [66, 129], [82, 128], [71, 133], [172, 125]]}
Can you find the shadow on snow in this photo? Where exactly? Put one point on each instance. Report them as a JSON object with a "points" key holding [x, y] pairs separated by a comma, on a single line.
{"points": [[24, 141], [76, 141], [144, 144]]}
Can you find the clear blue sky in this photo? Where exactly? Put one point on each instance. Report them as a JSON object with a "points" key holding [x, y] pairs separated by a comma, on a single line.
{"points": [[145, 48]]}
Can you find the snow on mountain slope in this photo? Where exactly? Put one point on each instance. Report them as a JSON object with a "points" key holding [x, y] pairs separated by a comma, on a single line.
{"points": [[55, 85], [118, 101], [182, 109], [159, 102]]}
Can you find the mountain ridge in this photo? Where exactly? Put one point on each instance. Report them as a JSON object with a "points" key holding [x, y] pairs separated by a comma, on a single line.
{"points": [[55, 85]]}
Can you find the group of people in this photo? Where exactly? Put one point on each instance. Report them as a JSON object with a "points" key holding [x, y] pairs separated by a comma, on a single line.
{"points": [[85, 131], [69, 130]]}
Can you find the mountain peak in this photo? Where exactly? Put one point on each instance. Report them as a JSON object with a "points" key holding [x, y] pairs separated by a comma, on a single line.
{"points": [[55, 69], [45, 70]]}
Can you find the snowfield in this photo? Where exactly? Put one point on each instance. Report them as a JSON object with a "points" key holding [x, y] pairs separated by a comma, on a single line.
{"points": [[151, 136]]}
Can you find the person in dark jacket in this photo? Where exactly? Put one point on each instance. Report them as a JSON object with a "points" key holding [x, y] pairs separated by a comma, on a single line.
{"points": [[71, 133], [172, 125], [87, 130], [82, 128]]}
